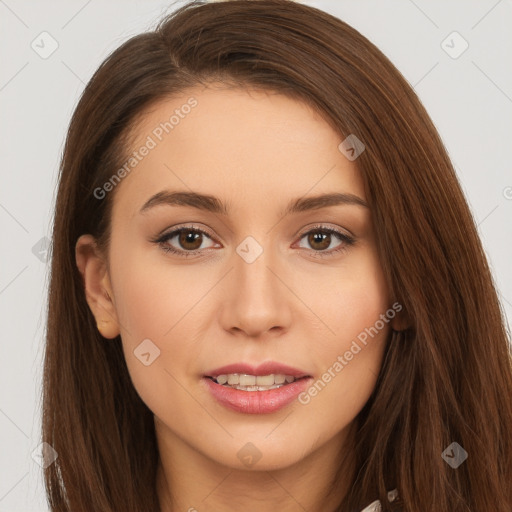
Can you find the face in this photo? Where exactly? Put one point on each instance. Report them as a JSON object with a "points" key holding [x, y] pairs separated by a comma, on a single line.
{"points": [[249, 280]]}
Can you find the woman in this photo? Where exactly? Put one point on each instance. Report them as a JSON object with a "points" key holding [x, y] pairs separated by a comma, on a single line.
{"points": [[267, 290]]}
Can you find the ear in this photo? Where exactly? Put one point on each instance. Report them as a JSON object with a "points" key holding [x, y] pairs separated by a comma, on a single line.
{"points": [[401, 321], [98, 289]]}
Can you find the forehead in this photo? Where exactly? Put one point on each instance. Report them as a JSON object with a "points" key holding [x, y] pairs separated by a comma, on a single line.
{"points": [[252, 147]]}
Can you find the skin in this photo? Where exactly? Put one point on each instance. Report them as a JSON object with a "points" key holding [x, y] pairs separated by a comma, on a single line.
{"points": [[256, 151]]}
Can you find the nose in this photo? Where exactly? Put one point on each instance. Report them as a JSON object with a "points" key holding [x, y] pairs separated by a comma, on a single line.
{"points": [[256, 297]]}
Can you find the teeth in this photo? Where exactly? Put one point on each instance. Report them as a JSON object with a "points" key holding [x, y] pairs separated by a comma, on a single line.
{"points": [[279, 379], [256, 388], [247, 380], [253, 382], [264, 380], [233, 378], [222, 379]]}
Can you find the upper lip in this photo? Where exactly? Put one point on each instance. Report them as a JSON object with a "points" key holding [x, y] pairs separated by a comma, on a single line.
{"points": [[267, 368]]}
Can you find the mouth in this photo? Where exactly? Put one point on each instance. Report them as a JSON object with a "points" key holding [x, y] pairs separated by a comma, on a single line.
{"points": [[266, 387], [265, 376], [248, 382]]}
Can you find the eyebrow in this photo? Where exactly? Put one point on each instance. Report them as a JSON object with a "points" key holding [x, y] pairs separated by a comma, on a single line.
{"points": [[213, 204]]}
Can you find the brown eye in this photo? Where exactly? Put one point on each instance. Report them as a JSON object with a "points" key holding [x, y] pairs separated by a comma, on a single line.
{"points": [[190, 239], [319, 240]]}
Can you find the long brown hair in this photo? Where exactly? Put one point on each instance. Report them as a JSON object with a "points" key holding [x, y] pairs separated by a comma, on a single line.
{"points": [[446, 378]]}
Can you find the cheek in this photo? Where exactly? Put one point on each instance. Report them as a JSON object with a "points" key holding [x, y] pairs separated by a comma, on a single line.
{"points": [[354, 304], [151, 297], [150, 305], [350, 354]]}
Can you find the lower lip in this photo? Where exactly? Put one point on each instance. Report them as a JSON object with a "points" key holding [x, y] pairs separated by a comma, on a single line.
{"points": [[257, 402]]}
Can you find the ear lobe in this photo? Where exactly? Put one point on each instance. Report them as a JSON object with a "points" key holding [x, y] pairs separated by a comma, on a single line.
{"points": [[97, 286]]}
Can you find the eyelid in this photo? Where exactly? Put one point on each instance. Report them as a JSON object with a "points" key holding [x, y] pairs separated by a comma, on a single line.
{"points": [[325, 227], [180, 227]]}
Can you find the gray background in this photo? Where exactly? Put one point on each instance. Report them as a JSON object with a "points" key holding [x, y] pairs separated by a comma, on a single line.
{"points": [[469, 99]]}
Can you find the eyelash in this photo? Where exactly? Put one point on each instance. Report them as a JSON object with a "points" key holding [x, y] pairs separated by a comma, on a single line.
{"points": [[348, 241]]}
